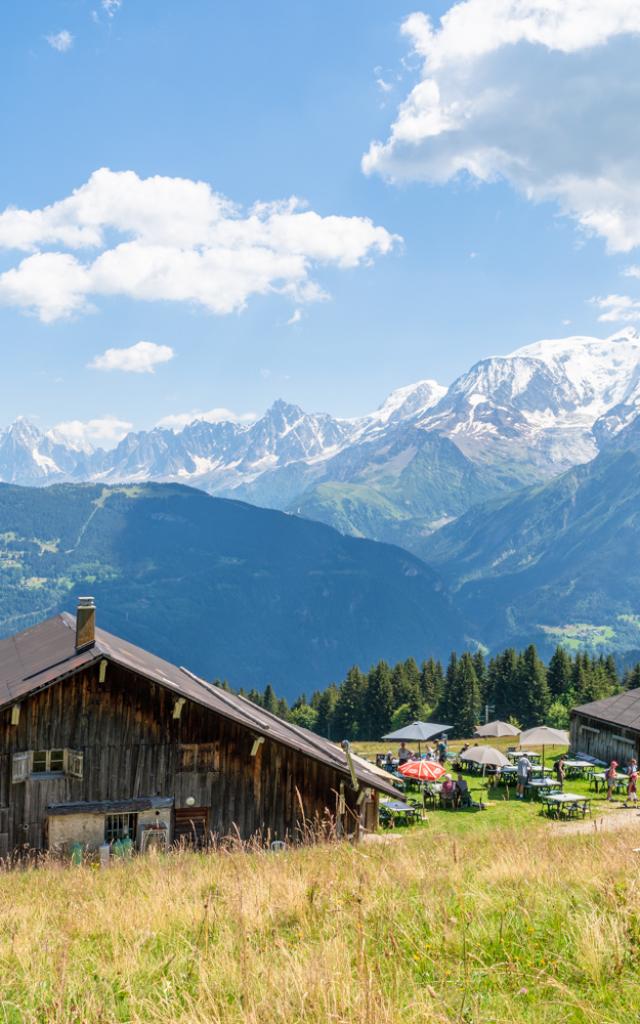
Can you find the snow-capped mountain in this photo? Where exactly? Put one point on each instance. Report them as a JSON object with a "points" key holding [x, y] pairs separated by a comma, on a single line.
{"points": [[422, 458]]}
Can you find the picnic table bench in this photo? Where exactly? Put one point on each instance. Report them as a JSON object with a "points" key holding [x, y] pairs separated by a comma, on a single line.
{"points": [[569, 805], [598, 779], [541, 787], [577, 768], [394, 812]]}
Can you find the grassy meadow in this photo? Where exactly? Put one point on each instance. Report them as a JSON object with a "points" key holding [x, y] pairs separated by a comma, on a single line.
{"points": [[472, 917]]}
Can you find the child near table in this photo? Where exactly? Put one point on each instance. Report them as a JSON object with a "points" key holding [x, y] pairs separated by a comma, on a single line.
{"points": [[610, 778], [632, 785]]}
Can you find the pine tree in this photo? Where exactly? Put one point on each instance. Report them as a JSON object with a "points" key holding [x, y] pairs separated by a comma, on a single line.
{"points": [[504, 691], [255, 697], [463, 696], [611, 669], [350, 709], [480, 666], [532, 678], [326, 708], [379, 701], [631, 680], [447, 707], [282, 708], [269, 700], [399, 683], [432, 683], [559, 672], [413, 690]]}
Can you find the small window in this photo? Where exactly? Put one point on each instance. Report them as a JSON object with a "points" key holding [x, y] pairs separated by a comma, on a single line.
{"points": [[187, 757], [47, 761], [197, 757], [120, 826]]}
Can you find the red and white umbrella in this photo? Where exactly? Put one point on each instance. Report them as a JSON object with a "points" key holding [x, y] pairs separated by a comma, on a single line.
{"points": [[424, 771]]}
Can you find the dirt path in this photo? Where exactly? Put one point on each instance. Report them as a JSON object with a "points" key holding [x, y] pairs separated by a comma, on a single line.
{"points": [[611, 820]]}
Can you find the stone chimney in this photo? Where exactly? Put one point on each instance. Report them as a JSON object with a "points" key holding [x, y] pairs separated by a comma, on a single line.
{"points": [[85, 623]]}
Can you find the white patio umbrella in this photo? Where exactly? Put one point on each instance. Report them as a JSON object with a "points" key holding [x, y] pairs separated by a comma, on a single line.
{"points": [[497, 729], [485, 756], [544, 736]]}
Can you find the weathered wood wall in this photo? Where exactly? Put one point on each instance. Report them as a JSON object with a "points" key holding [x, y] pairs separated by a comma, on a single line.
{"points": [[131, 745], [602, 741]]}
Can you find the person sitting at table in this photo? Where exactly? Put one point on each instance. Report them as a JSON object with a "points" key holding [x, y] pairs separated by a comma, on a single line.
{"points": [[404, 754], [463, 796], [560, 770], [389, 761], [524, 774], [610, 777], [448, 793]]}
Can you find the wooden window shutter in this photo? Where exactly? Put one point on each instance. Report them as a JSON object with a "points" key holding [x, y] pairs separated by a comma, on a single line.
{"points": [[75, 763], [21, 766]]}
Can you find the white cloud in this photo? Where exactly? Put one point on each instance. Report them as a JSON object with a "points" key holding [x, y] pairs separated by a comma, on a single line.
{"points": [[61, 41], [384, 86], [542, 93], [178, 421], [295, 318], [177, 240], [618, 308], [632, 271], [111, 7], [142, 357], [86, 435]]}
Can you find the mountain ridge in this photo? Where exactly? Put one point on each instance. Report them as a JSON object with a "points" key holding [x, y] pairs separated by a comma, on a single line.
{"points": [[516, 420]]}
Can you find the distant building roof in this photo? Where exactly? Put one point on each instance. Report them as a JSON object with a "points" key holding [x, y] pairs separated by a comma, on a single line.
{"points": [[38, 657], [622, 710]]}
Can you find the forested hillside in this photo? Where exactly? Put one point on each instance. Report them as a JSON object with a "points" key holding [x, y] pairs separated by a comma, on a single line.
{"points": [[230, 590], [512, 685]]}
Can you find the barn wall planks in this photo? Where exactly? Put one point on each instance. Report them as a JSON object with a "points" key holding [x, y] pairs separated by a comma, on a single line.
{"points": [[603, 740], [132, 747]]}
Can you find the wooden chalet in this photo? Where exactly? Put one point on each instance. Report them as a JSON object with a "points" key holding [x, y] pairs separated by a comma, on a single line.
{"points": [[608, 729], [101, 740]]}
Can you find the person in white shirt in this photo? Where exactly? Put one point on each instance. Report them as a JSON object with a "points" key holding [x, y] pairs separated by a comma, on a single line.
{"points": [[404, 754], [524, 767]]}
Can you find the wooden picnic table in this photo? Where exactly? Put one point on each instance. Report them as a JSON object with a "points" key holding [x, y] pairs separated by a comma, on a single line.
{"points": [[555, 804]]}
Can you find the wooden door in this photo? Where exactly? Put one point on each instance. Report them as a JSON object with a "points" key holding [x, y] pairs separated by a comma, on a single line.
{"points": [[191, 826]]}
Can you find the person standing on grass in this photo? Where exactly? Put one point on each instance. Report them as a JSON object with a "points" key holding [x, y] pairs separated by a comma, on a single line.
{"points": [[632, 786], [524, 770], [442, 750], [404, 754], [560, 771], [610, 778]]}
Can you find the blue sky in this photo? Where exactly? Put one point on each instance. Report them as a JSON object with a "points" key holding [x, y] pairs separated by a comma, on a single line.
{"points": [[266, 101]]}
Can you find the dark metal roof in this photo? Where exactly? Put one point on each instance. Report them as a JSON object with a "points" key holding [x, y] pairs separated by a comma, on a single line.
{"points": [[622, 710], [44, 654], [140, 803]]}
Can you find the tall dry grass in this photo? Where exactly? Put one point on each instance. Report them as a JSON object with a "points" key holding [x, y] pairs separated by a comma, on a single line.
{"points": [[506, 926]]}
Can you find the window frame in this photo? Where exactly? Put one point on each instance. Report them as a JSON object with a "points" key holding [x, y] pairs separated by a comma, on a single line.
{"points": [[111, 826], [71, 763]]}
